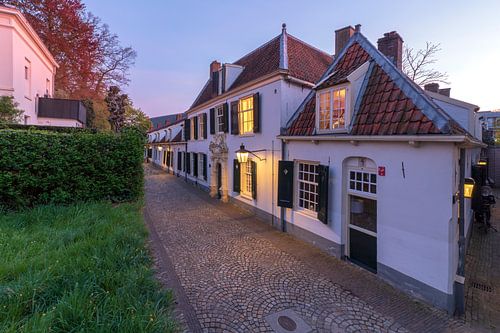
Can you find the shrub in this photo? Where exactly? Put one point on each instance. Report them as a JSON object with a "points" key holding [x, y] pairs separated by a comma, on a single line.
{"points": [[42, 167]]}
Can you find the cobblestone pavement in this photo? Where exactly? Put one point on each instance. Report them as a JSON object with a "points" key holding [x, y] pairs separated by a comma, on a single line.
{"points": [[230, 271], [482, 276]]}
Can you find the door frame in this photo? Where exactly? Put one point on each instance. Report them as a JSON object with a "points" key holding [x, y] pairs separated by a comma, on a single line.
{"points": [[347, 204]]}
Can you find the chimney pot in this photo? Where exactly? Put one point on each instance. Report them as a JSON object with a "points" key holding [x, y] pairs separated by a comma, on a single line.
{"points": [[433, 87], [445, 92], [357, 28], [342, 36], [214, 67], [391, 45]]}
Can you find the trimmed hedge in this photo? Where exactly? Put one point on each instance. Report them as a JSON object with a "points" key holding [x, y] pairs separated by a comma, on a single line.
{"points": [[48, 128], [42, 167]]}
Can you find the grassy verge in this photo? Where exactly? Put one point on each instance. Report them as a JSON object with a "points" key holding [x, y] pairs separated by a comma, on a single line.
{"points": [[82, 268]]}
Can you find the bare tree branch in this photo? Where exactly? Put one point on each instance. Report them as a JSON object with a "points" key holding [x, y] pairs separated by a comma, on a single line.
{"points": [[418, 65]]}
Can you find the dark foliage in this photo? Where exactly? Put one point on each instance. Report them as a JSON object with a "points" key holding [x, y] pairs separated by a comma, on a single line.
{"points": [[42, 167]]}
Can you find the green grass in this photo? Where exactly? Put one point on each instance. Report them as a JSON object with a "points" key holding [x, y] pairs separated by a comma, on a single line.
{"points": [[82, 268]]}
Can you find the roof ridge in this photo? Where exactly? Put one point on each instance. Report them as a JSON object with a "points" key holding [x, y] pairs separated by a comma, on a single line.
{"points": [[255, 50], [200, 93], [310, 46], [284, 48]]}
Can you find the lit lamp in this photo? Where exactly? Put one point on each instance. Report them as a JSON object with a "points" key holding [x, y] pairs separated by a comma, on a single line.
{"points": [[482, 162], [160, 148], [242, 154], [468, 187]]}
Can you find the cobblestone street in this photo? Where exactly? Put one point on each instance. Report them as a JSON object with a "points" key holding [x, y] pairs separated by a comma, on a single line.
{"points": [[233, 273], [483, 277]]}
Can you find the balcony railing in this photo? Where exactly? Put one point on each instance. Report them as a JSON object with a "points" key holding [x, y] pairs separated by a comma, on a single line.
{"points": [[62, 109]]}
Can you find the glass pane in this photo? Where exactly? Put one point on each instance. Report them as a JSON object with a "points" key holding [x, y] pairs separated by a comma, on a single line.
{"points": [[365, 187], [363, 213], [351, 175], [373, 178], [365, 177], [358, 186], [373, 189], [351, 185], [358, 175]]}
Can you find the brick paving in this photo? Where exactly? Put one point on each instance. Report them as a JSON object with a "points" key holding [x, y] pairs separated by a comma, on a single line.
{"points": [[482, 275], [230, 271]]}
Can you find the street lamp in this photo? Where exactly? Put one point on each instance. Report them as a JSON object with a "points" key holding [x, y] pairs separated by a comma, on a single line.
{"points": [[242, 154], [468, 187]]}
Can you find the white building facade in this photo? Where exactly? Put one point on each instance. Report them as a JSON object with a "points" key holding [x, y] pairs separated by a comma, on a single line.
{"points": [[27, 73], [346, 153]]}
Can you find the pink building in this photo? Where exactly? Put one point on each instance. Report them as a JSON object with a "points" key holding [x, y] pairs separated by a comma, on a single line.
{"points": [[27, 72]]}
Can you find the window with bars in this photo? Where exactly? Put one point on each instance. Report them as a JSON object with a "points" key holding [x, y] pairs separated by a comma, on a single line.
{"points": [[219, 118], [331, 109], [363, 181], [245, 115], [307, 179], [246, 178]]}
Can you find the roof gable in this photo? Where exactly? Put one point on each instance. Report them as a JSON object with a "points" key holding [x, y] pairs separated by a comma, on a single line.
{"points": [[388, 103], [284, 52]]}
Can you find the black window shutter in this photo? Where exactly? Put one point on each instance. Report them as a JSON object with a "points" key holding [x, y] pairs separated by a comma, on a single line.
{"points": [[205, 166], [234, 118], [254, 179], [323, 175], [285, 184], [212, 121], [226, 118], [195, 164], [236, 176], [204, 125], [188, 163], [256, 113], [195, 127], [179, 160], [187, 134]]}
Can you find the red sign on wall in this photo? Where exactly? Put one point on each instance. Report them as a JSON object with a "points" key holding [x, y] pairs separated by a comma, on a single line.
{"points": [[381, 171]]}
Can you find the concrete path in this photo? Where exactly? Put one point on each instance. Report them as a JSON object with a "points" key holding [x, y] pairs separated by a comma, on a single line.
{"points": [[231, 272]]}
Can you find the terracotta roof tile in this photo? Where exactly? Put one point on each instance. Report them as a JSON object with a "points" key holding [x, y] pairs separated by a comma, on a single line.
{"points": [[304, 62]]}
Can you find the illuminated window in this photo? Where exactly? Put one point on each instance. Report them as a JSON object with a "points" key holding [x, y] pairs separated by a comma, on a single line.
{"points": [[246, 178], [219, 119], [324, 110], [201, 127], [191, 126], [331, 109], [308, 179], [245, 115]]}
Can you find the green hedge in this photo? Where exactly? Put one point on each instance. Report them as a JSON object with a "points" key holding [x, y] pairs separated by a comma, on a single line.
{"points": [[48, 128], [41, 167]]}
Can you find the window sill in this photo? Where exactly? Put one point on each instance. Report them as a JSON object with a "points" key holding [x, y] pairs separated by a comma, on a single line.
{"points": [[246, 135], [307, 213], [334, 131], [247, 197]]}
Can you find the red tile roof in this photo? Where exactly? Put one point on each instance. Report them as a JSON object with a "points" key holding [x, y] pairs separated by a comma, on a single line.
{"points": [[304, 62], [384, 108]]}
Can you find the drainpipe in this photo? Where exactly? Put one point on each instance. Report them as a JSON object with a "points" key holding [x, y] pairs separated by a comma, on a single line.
{"points": [[460, 278], [282, 213]]}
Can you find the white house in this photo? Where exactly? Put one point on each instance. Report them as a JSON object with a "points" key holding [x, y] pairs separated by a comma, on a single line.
{"points": [[344, 152], [27, 72], [371, 170]]}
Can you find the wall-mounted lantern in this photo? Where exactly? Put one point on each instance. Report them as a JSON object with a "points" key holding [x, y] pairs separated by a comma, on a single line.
{"points": [[160, 148], [242, 154], [482, 162], [468, 187]]}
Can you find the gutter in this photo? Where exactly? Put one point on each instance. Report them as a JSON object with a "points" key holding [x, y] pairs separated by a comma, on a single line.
{"points": [[464, 139]]}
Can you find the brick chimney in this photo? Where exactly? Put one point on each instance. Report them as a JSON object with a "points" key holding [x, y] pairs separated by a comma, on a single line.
{"points": [[392, 46], [342, 37], [214, 67], [433, 87]]}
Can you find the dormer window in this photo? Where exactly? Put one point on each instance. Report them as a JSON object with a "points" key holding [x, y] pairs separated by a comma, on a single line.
{"points": [[331, 106]]}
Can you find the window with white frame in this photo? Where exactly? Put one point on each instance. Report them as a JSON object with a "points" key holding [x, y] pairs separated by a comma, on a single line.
{"points": [[331, 109], [246, 178], [27, 78], [363, 181], [191, 126], [245, 115], [201, 127], [307, 181], [201, 165], [219, 118]]}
